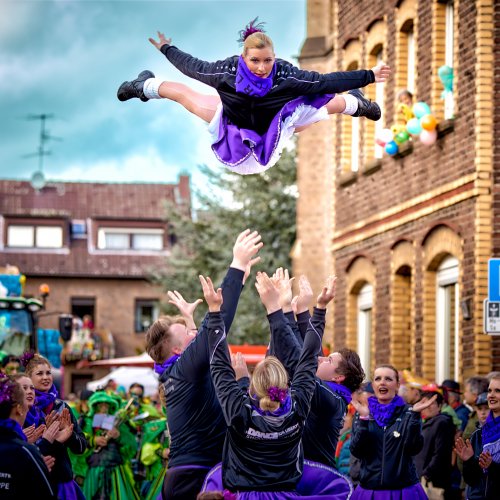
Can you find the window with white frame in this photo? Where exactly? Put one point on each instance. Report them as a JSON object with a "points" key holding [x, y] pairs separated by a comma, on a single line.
{"points": [[146, 313], [447, 310], [410, 77], [354, 144], [449, 104], [364, 307], [31, 236], [120, 238]]}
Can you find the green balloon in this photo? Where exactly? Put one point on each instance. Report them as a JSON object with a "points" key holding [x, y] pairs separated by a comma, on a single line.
{"points": [[402, 136]]}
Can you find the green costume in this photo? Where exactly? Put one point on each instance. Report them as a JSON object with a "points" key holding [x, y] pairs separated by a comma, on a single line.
{"points": [[109, 474]]}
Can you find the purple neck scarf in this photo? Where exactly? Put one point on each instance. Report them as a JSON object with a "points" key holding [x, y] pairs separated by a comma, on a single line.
{"points": [[12, 425], [45, 399], [383, 413], [490, 435], [283, 409], [341, 390], [250, 84], [159, 369]]}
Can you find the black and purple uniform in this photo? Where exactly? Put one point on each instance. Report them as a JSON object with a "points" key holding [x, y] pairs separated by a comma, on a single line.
{"points": [[194, 416], [263, 452]]}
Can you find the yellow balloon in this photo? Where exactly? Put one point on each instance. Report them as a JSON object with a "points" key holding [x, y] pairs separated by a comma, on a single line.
{"points": [[397, 127], [405, 110]]}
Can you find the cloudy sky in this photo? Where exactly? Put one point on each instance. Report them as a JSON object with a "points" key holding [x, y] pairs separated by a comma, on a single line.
{"points": [[68, 57]]}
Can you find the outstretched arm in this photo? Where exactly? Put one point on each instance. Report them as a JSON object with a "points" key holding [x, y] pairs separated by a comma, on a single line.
{"points": [[210, 73], [228, 391], [303, 382]]}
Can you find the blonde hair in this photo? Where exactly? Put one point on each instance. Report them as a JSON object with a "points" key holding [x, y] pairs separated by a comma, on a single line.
{"points": [[159, 342], [257, 40], [35, 361], [268, 373]]}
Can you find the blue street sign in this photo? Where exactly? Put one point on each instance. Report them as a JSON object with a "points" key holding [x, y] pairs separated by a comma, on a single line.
{"points": [[494, 280]]}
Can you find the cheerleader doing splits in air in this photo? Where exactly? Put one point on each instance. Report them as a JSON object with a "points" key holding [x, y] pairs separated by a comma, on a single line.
{"points": [[262, 100]]}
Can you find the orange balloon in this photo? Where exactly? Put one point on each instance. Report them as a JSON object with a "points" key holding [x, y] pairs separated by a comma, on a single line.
{"points": [[428, 122]]}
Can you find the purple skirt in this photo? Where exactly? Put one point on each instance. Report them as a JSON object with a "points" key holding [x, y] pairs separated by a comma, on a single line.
{"points": [[69, 491], [247, 152], [317, 482], [415, 492]]}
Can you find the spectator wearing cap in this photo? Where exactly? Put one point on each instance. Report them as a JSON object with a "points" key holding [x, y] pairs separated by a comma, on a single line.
{"points": [[481, 408], [446, 408], [433, 462], [474, 386], [411, 388], [452, 396]]}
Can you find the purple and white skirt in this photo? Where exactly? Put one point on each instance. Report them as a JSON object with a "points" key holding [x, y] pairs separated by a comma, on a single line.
{"points": [[317, 482], [247, 152]]}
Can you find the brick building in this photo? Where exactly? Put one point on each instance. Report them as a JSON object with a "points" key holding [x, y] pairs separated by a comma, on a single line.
{"points": [[94, 245], [409, 235]]}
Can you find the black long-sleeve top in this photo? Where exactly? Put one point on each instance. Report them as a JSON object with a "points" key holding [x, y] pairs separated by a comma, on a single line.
{"points": [[328, 408], [263, 453], [289, 82], [386, 453], [62, 471], [194, 416], [434, 459], [23, 473]]}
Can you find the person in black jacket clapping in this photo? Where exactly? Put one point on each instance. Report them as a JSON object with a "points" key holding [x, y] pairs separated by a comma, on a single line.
{"points": [[23, 473], [386, 436]]}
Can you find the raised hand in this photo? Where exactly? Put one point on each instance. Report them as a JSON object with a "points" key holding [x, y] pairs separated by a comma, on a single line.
{"points": [[49, 462], [485, 459], [381, 72], [34, 434], [269, 294], [185, 308], [361, 408], [302, 301], [212, 297], [239, 365], [284, 283], [246, 247], [327, 294], [64, 434], [161, 42], [249, 268], [422, 405], [51, 417], [463, 449], [51, 431]]}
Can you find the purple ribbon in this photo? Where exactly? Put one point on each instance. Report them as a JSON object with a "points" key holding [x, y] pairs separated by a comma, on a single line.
{"points": [[490, 432], [160, 368], [341, 390], [250, 84], [283, 409], [12, 425], [383, 413]]}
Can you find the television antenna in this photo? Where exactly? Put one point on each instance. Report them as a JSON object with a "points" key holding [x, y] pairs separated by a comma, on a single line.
{"points": [[38, 178]]}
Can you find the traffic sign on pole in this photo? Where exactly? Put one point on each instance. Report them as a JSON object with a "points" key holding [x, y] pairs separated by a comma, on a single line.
{"points": [[494, 280], [491, 317]]}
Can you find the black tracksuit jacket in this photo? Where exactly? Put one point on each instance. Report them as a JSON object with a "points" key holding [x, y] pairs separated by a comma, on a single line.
{"points": [[290, 82]]}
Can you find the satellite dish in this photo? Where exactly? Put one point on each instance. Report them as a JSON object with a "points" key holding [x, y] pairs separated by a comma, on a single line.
{"points": [[38, 180]]}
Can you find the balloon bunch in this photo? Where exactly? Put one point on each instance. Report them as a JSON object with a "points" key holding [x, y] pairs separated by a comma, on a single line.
{"points": [[419, 121]]}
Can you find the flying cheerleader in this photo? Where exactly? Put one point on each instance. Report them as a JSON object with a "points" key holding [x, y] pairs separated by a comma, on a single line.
{"points": [[261, 100]]}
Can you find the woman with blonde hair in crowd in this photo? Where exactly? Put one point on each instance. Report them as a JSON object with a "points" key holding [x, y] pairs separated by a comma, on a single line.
{"points": [[23, 471], [65, 433], [481, 454]]}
